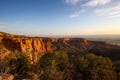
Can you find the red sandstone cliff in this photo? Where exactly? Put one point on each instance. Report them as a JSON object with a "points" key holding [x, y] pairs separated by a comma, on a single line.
{"points": [[43, 45], [40, 46]]}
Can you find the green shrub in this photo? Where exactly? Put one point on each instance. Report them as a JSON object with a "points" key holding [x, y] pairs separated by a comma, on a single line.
{"points": [[55, 66], [20, 65], [4, 67], [117, 68], [59, 65], [2, 49], [55, 59], [96, 68]]}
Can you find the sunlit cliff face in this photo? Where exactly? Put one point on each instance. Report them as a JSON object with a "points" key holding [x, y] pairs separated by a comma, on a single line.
{"points": [[44, 45]]}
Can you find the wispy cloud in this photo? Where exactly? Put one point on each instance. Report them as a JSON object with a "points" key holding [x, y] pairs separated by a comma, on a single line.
{"points": [[72, 1], [111, 11], [108, 8], [76, 14], [93, 3]]}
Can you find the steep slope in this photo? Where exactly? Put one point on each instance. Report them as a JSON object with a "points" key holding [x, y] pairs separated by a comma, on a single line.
{"points": [[44, 45]]}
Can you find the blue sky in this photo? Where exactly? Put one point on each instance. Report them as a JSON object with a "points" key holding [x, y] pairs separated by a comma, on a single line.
{"points": [[60, 17]]}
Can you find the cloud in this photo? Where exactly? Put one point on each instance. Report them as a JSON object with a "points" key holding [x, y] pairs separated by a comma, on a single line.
{"points": [[93, 3], [106, 8], [76, 14], [115, 16], [72, 1], [111, 11]]}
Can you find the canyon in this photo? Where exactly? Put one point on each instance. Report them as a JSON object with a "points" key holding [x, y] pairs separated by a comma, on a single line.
{"points": [[43, 45], [31, 52]]}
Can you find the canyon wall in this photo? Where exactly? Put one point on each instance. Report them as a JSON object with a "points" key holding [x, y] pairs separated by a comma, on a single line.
{"points": [[43, 45], [40, 46]]}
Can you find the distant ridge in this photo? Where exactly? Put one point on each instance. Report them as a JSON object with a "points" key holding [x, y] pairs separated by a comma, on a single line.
{"points": [[43, 45]]}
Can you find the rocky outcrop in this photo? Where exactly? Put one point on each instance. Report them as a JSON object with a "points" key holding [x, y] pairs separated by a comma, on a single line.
{"points": [[40, 46], [43, 45]]}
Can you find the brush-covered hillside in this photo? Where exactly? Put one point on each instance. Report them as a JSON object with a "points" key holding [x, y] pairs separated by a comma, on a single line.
{"points": [[39, 58]]}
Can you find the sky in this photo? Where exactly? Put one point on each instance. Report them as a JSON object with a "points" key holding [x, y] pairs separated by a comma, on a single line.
{"points": [[60, 17]]}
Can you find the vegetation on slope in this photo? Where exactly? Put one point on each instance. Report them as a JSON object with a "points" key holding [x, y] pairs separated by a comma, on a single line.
{"points": [[59, 65]]}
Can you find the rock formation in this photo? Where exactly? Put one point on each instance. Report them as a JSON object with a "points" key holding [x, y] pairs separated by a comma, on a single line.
{"points": [[44, 45]]}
